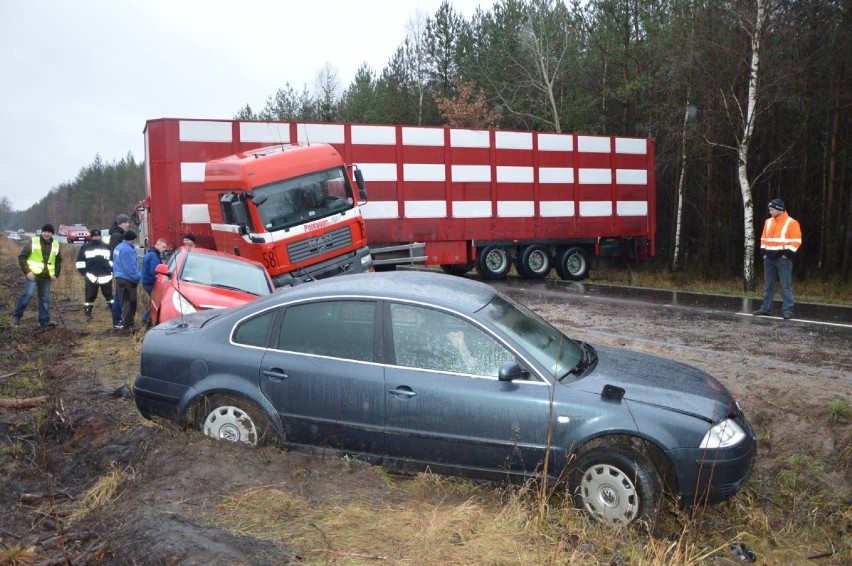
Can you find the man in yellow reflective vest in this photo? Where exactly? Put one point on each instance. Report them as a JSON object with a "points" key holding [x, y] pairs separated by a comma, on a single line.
{"points": [[40, 261], [779, 243]]}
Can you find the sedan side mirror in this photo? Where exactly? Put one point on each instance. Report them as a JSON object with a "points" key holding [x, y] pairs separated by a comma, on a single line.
{"points": [[511, 371], [163, 269]]}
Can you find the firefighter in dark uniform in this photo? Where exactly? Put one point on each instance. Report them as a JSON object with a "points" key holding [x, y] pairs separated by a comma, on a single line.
{"points": [[95, 265]]}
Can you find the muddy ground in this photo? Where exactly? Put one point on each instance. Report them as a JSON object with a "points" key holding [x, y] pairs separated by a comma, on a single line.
{"points": [[785, 375]]}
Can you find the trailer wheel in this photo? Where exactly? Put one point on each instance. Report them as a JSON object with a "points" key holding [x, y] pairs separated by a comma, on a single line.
{"points": [[572, 264], [534, 262], [493, 262], [456, 269]]}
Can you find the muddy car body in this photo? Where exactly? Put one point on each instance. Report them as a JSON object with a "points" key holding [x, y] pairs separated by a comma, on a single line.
{"points": [[422, 370]]}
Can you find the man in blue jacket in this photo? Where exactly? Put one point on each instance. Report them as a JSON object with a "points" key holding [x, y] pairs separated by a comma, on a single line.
{"points": [[152, 259], [125, 268]]}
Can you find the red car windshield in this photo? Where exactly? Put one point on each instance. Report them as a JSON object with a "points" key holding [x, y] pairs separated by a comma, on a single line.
{"points": [[225, 273]]}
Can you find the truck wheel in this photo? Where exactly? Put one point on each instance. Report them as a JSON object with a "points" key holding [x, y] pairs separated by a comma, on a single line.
{"points": [[534, 262], [493, 262], [230, 418], [572, 264], [456, 269], [615, 486]]}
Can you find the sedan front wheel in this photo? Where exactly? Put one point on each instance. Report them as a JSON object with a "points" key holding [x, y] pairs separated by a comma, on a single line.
{"points": [[616, 486]]}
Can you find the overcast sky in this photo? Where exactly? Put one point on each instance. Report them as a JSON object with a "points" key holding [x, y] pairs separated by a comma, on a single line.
{"points": [[81, 77]]}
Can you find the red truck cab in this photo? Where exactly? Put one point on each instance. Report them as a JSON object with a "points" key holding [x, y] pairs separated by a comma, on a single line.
{"points": [[291, 208]]}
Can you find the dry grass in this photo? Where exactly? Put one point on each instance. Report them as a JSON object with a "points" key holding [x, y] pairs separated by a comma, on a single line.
{"points": [[16, 556], [448, 521], [102, 493]]}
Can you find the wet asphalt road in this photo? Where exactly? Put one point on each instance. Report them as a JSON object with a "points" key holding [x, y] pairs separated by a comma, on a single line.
{"points": [[700, 305]]}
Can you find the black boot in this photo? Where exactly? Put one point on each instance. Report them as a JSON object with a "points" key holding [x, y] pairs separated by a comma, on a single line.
{"points": [[88, 310]]}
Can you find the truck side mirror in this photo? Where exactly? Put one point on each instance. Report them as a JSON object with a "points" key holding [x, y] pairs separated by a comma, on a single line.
{"points": [[256, 199], [362, 188], [234, 209]]}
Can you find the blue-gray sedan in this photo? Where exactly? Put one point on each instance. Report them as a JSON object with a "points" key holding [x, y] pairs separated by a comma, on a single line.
{"points": [[414, 370]]}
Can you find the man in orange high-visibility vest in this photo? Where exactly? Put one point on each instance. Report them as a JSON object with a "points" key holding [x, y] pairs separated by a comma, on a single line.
{"points": [[779, 242]]}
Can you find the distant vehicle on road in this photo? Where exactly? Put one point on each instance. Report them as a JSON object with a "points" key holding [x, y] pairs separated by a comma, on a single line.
{"points": [[78, 233]]}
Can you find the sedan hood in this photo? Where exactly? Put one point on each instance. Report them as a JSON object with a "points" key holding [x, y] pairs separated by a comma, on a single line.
{"points": [[659, 382], [208, 297]]}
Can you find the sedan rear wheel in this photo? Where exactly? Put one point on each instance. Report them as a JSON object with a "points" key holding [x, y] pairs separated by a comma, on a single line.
{"points": [[235, 420], [616, 486]]}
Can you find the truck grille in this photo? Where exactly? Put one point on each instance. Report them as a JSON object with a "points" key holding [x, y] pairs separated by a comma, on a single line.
{"points": [[319, 245]]}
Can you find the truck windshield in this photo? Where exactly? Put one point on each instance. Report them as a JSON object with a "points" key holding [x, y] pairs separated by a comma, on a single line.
{"points": [[291, 202]]}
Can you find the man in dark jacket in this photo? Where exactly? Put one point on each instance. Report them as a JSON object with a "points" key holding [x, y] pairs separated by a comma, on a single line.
{"points": [[41, 263], [94, 263], [116, 235], [125, 268]]}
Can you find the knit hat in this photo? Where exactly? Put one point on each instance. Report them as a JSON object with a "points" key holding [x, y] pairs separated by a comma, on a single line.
{"points": [[122, 218], [777, 204], [189, 237], [48, 228], [129, 235]]}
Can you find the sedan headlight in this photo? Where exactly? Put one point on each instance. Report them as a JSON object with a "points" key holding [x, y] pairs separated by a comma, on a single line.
{"points": [[724, 434], [182, 304]]}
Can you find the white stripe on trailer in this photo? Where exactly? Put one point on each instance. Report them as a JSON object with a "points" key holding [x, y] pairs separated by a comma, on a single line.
{"points": [[204, 131], [264, 132]]}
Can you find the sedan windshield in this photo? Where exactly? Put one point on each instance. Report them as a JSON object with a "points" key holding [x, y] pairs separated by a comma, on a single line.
{"points": [[303, 199], [552, 349], [225, 273]]}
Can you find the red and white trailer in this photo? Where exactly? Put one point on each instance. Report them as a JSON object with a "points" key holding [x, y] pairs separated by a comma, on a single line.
{"points": [[454, 197], [463, 198]]}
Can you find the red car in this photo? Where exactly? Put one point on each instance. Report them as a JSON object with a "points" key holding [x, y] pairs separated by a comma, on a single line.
{"points": [[200, 279], [77, 233]]}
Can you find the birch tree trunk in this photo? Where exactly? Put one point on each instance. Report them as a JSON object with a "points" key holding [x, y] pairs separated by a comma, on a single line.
{"points": [[749, 280], [680, 184]]}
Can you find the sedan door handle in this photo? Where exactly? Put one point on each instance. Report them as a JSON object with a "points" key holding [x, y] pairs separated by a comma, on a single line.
{"points": [[275, 374], [402, 391]]}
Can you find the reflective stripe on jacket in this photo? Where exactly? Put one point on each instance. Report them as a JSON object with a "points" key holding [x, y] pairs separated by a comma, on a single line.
{"points": [[94, 262], [36, 262], [780, 234]]}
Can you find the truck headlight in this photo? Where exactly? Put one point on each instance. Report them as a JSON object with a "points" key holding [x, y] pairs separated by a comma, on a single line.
{"points": [[724, 434], [367, 260]]}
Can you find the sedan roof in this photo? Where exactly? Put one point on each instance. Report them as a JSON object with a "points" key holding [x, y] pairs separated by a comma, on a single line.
{"points": [[437, 288]]}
